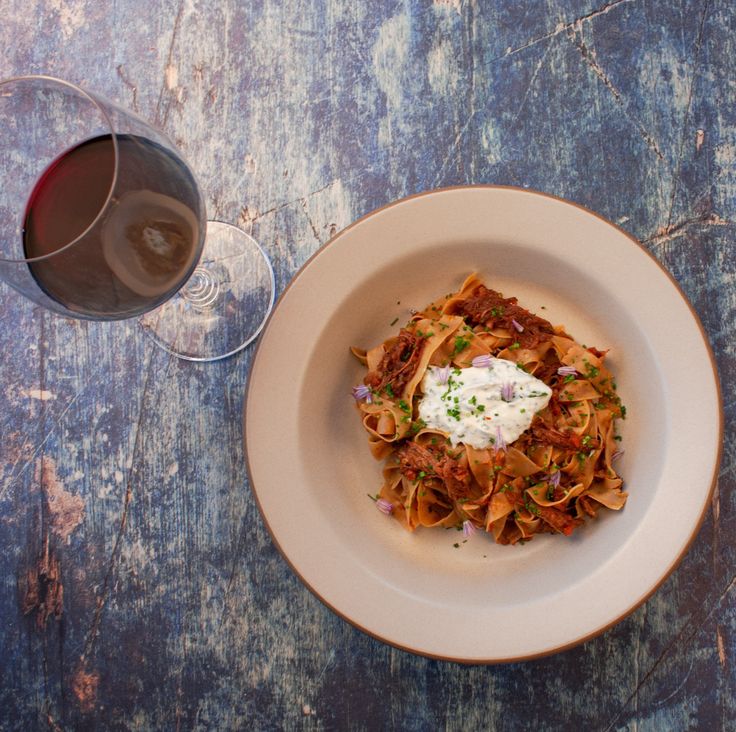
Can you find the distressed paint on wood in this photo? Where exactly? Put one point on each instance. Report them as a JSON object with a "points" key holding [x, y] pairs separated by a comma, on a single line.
{"points": [[121, 470]]}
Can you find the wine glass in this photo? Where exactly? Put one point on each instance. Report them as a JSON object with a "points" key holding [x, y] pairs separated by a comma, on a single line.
{"points": [[101, 219]]}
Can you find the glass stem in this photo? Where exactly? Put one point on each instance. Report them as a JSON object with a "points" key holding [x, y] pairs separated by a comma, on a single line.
{"points": [[201, 290]]}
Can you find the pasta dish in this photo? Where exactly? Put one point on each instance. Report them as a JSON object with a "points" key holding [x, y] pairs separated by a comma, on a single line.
{"points": [[488, 417]]}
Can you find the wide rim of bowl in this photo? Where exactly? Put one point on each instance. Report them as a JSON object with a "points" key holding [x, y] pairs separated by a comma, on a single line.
{"points": [[673, 564]]}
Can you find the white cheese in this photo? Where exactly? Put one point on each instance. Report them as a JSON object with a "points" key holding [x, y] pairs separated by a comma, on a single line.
{"points": [[474, 404]]}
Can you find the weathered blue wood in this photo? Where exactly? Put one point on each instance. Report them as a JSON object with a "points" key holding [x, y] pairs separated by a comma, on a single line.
{"points": [[122, 469]]}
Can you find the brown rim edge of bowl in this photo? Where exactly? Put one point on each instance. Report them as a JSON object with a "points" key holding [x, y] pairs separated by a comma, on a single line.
{"points": [[674, 564]]}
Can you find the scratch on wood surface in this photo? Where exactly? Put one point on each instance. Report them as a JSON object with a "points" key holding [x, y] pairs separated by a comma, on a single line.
{"points": [[727, 469], [637, 655], [721, 646], [315, 233], [591, 60], [673, 231], [52, 723], [43, 591], [690, 628], [330, 660], [17, 447], [563, 27], [686, 115], [102, 597], [715, 504], [453, 148], [106, 583], [473, 34], [133, 88], [679, 687], [255, 215], [169, 57], [529, 86], [23, 451]]}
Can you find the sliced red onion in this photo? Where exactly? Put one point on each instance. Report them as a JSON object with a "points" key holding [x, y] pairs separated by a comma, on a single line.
{"points": [[554, 479], [500, 443], [519, 327], [443, 374], [616, 455], [384, 506], [482, 362], [507, 392], [362, 392], [468, 529], [567, 371]]}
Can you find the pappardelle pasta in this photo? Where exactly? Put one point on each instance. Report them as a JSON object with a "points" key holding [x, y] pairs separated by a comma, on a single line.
{"points": [[490, 418]]}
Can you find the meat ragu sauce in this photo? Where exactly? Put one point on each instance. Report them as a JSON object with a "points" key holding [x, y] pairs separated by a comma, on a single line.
{"points": [[437, 461], [492, 310], [398, 364], [557, 473]]}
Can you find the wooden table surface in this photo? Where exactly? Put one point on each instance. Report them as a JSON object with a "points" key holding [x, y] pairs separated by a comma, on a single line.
{"points": [[140, 588]]}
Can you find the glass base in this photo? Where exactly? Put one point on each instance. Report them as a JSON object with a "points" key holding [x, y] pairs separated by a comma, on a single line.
{"points": [[224, 304]]}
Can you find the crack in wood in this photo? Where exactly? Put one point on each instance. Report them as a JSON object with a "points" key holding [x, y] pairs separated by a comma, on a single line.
{"points": [[677, 690], [690, 628], [686, 117], [563, 27], [315, 232], [274, 209], [169, 56], [128, 83], [453, 148], [106, 584], [43, 591], [715, 506], [673, 231], [529, 86], [15, 476], [590, 59], [721, 646]]}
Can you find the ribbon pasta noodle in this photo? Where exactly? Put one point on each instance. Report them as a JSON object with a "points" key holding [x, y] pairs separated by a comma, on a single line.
{"points": [[558, 472]]}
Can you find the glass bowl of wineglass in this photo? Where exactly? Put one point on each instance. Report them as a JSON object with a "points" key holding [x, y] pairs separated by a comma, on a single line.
{"points": [[101, 219]]}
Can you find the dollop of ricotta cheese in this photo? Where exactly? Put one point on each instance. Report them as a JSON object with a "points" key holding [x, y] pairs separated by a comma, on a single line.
{"points": [[474, 403]]}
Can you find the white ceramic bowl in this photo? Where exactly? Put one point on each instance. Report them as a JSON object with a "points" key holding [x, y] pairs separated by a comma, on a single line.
{"points": [[308, 456]]}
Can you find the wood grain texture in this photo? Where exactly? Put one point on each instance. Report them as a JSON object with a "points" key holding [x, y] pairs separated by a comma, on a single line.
{"points": [[178, 613]]}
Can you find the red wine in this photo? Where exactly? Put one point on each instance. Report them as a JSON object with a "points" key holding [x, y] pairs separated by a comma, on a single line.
{"points": [[138, 251]]}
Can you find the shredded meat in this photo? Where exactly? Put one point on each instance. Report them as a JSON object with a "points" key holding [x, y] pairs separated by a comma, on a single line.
{"points": [[587, 505], [554, 404], [491, 309], [398, 364], [550, 436], [559, 520], [548, 368], [436, 463]]}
